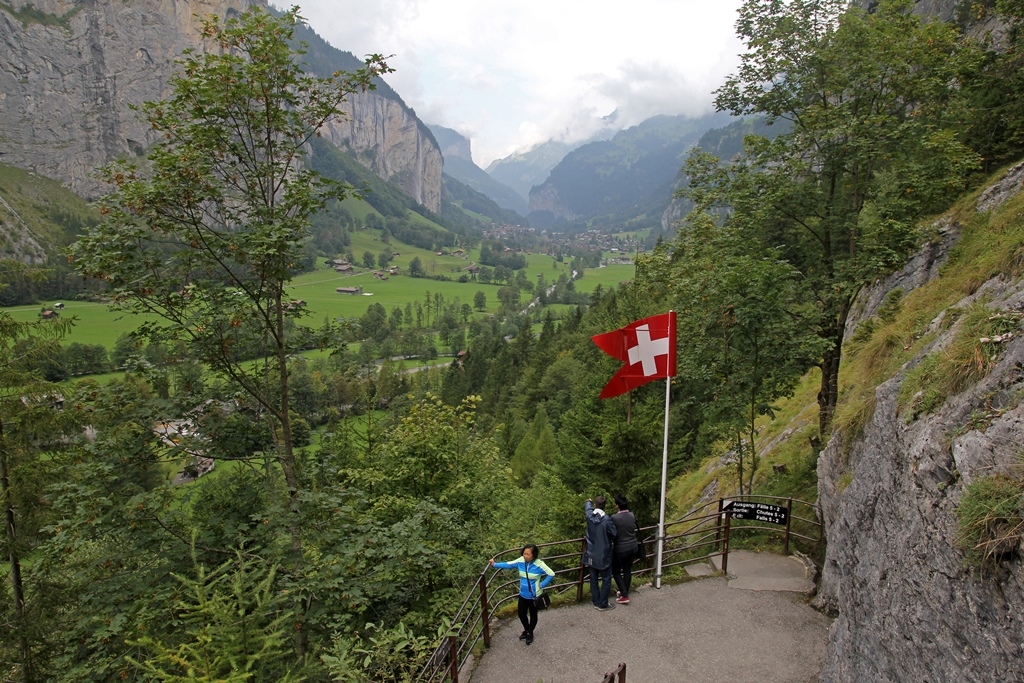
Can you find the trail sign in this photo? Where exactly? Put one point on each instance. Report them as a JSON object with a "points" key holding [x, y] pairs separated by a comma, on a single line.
{"points": [[761, 512]]}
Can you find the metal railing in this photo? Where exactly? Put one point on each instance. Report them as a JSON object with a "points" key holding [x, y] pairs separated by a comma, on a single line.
{"points": [[704, 533]]}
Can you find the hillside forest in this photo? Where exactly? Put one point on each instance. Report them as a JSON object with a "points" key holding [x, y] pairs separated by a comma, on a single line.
{"points": [[350, 505]]}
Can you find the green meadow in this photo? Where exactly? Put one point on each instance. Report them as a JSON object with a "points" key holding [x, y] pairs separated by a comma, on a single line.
{"points": [[95, 323], [608, 276]]}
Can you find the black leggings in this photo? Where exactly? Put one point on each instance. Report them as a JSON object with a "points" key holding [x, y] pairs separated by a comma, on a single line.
{"points": [[622, 570], [527, 606]]}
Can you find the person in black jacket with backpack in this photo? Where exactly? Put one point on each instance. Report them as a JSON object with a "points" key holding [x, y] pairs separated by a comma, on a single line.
{"points": [[627, 545], [598, 555]]}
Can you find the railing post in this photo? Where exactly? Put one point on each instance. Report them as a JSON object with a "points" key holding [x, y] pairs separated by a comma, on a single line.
{"points": [[484, 616], [453, 656], [725, 549], [718, 525], [789, 521], [579, 582], [622, 672], [820, 522]]}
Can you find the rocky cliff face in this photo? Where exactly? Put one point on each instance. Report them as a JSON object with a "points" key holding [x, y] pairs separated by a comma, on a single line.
{"points": [[67, 79], [546, 199], [453, 144], [908, 607], [387, 137]]}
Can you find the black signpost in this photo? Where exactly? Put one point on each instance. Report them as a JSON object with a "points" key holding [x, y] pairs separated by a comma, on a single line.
{"points": [[761, 512]]}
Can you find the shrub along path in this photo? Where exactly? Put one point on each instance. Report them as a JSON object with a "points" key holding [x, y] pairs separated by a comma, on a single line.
{"points": [[685, 633]]}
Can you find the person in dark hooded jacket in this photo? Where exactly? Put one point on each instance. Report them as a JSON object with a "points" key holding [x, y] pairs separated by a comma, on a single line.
{"points": [[601, 532]]}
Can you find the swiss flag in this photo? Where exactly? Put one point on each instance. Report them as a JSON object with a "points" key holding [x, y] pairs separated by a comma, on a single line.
{"points": [[648, 349]]}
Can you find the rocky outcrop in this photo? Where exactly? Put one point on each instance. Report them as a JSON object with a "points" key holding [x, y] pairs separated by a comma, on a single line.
{"points": [[922, 267], [66, 83], [453, 144], [546, 199], [908, 607], [70, 70]]}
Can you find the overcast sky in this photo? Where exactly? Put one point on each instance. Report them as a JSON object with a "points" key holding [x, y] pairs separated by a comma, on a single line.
{"points": [[512, 73]]}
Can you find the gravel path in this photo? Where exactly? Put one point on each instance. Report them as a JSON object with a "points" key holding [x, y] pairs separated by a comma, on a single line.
{"points": [[687, 633]]}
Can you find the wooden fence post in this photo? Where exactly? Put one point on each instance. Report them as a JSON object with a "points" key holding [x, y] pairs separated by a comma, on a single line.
{"points": [[453, 656], [718, 526], [579, 582], [789, 521], [484, 616], [725, 551]]}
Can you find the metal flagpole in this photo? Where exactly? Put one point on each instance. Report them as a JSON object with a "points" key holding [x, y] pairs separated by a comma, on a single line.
{"points": [[664, 480]]}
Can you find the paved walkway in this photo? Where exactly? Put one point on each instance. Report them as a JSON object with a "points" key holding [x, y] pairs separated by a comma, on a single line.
{"points": [[695, 632]]}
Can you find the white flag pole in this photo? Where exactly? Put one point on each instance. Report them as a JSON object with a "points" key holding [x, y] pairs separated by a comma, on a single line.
{"points": [[664, 479]]}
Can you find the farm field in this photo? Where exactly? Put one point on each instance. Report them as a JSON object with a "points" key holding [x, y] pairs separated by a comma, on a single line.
{"points": [[317, 289], [96, 324], [607, 276]]}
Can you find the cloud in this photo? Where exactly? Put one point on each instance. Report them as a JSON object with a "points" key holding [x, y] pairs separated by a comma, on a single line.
{"points": [[513, 74]]}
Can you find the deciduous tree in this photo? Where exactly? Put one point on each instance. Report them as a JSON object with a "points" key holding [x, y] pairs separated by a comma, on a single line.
{"points": [[206, 238], [868, 151]]}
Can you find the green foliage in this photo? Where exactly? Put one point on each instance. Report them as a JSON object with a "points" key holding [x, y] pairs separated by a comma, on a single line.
{"points": [[33, 432], [993, 84], [208, 237], [29, 14], [749, 334], [232, 625], [416, 268], [990, 522], [389, 655], [538, 447], [869, 152]]}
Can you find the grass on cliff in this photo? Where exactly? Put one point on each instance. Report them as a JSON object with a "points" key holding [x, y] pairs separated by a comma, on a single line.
{"points": [[991, 245], [990, 525], [31, 15]]}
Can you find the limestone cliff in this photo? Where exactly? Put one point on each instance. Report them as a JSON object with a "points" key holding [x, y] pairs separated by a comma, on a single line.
{"points": [[387, 137], [70, 70], [908, 607]]}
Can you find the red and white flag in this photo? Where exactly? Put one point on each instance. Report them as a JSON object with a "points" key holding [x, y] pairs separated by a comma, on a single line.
{"points": [[648, 349]]}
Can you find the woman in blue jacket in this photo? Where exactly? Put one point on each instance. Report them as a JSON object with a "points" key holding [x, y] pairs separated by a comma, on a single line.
{"points": [[533, 576]]}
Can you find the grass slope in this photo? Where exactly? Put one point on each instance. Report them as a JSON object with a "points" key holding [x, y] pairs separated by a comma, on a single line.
{"points": [[991, 245], [37, 209]]}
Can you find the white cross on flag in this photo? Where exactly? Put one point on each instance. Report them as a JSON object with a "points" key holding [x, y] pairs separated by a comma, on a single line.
{"points": [[648, 349]]}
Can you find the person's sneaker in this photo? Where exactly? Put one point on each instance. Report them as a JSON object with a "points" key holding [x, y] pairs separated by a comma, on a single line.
{"points": [[529, 638], [622, 601], [522, 636], [618, 594], [606, 608]]}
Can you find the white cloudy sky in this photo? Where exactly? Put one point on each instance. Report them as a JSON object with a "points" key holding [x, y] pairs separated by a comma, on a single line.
{"points": [[511, 73]]}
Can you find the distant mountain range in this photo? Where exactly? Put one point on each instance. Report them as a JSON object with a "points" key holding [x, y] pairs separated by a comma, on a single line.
{"points": [[724, 143], [629, 175], [523, 170], [615, 179]]}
